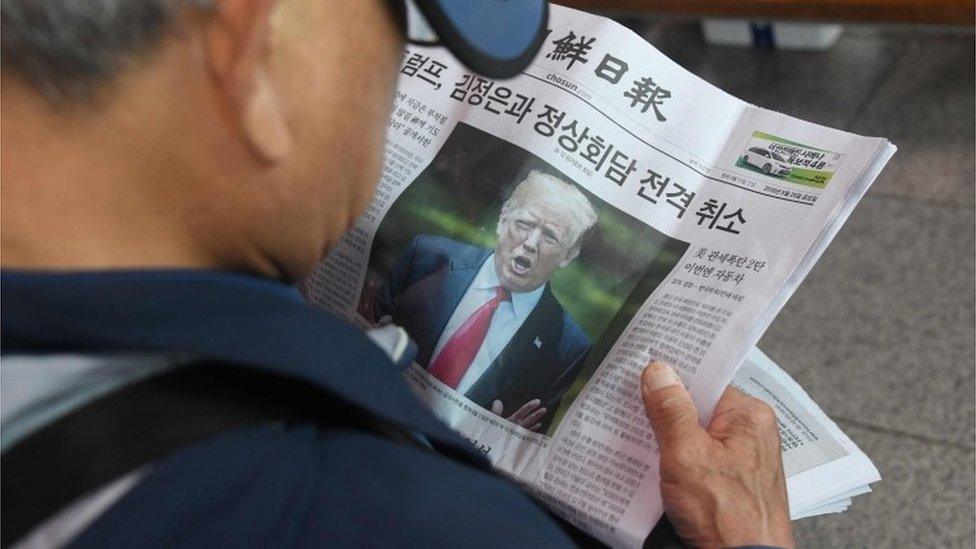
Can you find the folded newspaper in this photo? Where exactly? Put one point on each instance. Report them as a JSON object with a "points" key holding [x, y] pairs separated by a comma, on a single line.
{"points": [[824, 468], [543, 238]]}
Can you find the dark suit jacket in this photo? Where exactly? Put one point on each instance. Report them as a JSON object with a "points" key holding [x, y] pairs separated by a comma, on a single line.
{"points": [[541, 360]]}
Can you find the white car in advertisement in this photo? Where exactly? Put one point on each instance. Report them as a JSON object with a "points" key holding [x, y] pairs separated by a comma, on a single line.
{"points": [[768, 162]]}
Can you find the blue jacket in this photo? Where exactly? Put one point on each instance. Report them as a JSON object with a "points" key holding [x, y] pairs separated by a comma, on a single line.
{"points": [[301, 485], [541, 361]]}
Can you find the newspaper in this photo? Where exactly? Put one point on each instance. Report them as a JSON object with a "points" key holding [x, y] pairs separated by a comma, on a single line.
{"points": [[823, 467], [543, 238]]}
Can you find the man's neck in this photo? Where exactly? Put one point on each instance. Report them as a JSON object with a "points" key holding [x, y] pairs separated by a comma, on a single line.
{"points": [[64, 207], [86, 187]]}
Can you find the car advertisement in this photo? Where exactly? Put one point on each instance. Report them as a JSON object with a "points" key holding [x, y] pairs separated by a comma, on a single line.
{"points": [[788, 161]]}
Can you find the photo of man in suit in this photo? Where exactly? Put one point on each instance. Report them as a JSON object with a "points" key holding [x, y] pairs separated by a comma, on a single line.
{"points": [[485, 320]]}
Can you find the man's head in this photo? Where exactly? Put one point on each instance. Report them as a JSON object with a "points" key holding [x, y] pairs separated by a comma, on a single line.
{"points": [[235, 134], [540, 230]]}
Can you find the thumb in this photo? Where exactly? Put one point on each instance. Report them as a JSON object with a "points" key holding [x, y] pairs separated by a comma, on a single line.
{"points": [[668, 405]]}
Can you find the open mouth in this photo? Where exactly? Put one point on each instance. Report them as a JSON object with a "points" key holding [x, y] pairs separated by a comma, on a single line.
{"points": [[521, 265]]}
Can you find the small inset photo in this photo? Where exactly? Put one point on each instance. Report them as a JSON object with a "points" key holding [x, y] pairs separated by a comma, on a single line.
{"points": [[788, 161]]}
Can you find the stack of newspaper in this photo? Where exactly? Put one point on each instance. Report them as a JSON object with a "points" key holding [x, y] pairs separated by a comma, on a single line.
{"points": [[824, 468], [541, 239]]}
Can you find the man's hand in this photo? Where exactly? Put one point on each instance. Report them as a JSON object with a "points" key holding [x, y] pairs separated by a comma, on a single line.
{"points": [[528, 416], [722, 486]]}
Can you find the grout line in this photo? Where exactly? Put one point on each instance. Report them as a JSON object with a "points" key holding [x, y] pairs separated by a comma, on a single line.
{"points": [[873, 94], [896, 432], [931, 202]]}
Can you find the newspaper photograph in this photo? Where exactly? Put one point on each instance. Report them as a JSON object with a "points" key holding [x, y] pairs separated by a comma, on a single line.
{"points": [[569, 269], [541, 239]]}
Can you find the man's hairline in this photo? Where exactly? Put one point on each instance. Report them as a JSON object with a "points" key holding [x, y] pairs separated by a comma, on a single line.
{"points": [[70, 71], [577, 220]]}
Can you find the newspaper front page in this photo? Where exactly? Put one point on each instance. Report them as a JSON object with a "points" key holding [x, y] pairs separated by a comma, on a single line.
{"points": [[543, 238]]}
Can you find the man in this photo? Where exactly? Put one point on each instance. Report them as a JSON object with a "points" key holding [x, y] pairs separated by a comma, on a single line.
{"points": [[485, 321], [168, 168]]}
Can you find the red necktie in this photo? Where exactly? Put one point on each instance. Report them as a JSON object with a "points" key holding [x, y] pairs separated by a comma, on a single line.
{"points": [[456, 355]]}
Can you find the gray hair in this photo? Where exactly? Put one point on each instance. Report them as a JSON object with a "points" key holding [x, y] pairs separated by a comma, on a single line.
{"points": [[560, 194], [66, 48]]}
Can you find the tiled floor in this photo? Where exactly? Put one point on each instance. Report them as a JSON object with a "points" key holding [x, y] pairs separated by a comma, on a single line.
{"points": [[882, 332]]}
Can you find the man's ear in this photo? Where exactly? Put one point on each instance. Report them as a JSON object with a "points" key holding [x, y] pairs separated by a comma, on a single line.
{"points": [[236, 49]]}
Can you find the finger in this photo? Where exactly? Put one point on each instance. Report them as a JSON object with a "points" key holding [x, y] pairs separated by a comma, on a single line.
{"points": [[738, 413], [668, 405], [534, 417], [732, 399], [525, 410], [735, 403], [497, 408], [535, 427]]}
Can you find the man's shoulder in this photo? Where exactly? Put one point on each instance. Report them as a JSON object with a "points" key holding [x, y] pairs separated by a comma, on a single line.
{"points": [[450, 249], [574, 335], [574, 338]]}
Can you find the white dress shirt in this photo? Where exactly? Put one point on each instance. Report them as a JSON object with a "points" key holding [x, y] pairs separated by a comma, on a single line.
{"points": [[508, 318]]}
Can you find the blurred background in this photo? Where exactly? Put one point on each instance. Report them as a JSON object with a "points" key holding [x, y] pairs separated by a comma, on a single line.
{"points": [[881, 333]]}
